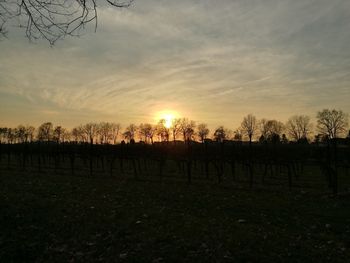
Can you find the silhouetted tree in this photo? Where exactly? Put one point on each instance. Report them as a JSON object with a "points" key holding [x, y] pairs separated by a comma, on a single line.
{"points": [[90, 131], [249, 126], [59, 133], [51, 19], [3, 134], [332, 123], [13, 135], [29, 133], [202, 131], [271, 130], [187, 128], [66, 135], [220, 134], [298, 127], [78, 134], [162, 131], [129, 133], [45, 131], [105, 132], [146, 132], [115, 129], [237, 135], [10, 135], [20, 133], [175, 128]]}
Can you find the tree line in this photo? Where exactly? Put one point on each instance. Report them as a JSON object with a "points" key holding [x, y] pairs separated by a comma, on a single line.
{"points": [[330, 124]]}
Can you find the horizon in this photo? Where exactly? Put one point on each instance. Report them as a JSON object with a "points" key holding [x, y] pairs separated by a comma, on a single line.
{"points": [[170, 116], [172, 127]]}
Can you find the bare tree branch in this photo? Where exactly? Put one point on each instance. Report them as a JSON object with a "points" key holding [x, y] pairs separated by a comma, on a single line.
{"points": [[51, 19]]}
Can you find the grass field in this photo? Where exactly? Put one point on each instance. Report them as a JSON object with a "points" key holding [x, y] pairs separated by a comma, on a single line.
{"points": [[61, 218]]}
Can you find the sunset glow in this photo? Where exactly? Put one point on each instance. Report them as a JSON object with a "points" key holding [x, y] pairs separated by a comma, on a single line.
{"points": [[194, 58], [168, 120], [168, 116]]}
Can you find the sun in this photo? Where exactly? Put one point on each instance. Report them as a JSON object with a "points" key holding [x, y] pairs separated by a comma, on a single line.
{"points": [[168, 116], [168, 120]]}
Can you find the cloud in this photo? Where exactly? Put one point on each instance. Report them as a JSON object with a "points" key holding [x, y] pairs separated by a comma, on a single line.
{"points": [[212, 61]]}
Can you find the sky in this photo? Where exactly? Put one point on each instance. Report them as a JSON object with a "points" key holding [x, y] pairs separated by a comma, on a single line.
{"points": [[210, 61]]}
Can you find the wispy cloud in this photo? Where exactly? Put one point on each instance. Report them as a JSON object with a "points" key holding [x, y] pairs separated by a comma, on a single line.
{"points": [[209, 60]]}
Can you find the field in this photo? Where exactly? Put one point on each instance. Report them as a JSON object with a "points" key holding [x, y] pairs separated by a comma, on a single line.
{"points": [[56, 217]]}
